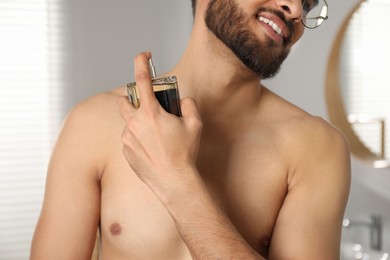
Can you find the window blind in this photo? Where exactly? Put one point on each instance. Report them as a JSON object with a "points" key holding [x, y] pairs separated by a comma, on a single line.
{"points": [[29, 116], [365, 78]]}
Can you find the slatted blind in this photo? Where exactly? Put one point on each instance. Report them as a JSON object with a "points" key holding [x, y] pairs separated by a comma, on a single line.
{"points": [[28, 117], [365, 73]]}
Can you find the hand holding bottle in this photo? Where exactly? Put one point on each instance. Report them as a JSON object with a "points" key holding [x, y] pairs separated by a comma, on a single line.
{"points": [[158, 146]]}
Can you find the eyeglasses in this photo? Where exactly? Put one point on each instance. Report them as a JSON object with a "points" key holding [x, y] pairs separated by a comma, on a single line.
{"points": [[315, 12]]}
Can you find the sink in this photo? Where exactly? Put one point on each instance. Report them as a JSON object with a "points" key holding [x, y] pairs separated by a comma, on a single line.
{"points": [[354, 251]]}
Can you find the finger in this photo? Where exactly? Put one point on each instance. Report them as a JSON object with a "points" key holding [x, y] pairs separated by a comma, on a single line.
{"points": [[143, 79], [129, 140], [189, 109], [124, 107]]}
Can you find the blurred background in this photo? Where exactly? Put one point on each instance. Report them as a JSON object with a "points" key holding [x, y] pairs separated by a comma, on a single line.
{"points": [[55, 53]]}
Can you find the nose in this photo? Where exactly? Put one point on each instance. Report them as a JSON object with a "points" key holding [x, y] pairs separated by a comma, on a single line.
{"points": [[292, 9]]}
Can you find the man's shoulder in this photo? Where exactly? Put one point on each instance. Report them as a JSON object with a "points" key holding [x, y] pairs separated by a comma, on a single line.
{"points": [[300, 124], [99, 102], [313, 146], [89, 132], [317, 131], [304, 133], [314, 133], [95, 118], [96, 109]]}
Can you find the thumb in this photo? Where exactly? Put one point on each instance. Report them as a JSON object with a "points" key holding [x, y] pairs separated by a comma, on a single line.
{"points": [[189, 109]]}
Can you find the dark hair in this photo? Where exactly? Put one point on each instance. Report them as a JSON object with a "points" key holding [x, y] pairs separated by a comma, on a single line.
{"points": [[193, 6]]}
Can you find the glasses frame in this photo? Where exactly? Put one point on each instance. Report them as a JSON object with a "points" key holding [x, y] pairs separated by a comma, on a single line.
{"points": [[323, 18]]}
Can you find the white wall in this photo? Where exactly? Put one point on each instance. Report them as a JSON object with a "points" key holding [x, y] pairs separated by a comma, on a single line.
{"points": [[103, 37]]}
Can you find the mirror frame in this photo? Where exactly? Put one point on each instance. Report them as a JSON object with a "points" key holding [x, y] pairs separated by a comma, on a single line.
{"points": [[335, 106]]}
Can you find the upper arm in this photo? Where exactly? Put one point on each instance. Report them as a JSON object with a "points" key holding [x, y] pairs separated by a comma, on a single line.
{"points": [[309, 223], [70, 214]]}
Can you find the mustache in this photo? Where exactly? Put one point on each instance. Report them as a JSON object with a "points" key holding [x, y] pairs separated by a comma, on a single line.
{"points": [[281, 16]]}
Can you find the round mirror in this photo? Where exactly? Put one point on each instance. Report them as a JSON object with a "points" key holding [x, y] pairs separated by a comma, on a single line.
{"points": [[358, 81]]}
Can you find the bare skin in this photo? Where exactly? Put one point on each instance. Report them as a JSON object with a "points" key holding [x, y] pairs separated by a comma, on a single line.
{"points": [[243, 174]]}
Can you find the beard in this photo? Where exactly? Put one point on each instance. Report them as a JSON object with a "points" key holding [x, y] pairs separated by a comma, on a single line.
{"points": [[230, 25]]}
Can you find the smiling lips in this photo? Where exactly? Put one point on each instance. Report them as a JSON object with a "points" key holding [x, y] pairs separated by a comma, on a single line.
{"points": [[277, 26], [272, 24]]}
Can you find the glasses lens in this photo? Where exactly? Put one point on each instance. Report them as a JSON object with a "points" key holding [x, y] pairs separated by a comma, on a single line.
{"points": [[315, 12]]}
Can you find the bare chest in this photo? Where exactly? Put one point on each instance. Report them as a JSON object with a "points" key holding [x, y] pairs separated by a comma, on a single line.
{"points": [[247, 180]]}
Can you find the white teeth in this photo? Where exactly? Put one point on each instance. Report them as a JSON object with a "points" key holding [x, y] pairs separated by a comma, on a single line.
{"points": [[272, 24]]}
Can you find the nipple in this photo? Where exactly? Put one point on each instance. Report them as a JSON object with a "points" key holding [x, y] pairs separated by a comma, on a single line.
{"points": [[115, 229]]}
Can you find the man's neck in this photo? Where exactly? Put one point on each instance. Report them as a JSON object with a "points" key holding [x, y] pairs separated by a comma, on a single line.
{"points": [[211, 74]]}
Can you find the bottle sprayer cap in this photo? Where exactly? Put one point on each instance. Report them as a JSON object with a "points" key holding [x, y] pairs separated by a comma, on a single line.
{"points": [[152, 69]]}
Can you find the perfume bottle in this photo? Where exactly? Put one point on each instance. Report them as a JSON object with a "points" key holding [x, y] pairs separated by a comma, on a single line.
{"points": [[165, 89]]}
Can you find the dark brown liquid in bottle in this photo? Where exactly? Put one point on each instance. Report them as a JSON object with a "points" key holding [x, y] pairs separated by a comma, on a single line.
{"points": [[168, 99]]}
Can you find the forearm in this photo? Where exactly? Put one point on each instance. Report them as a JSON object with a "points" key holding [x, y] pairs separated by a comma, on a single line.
{"points": [[204, 227]]}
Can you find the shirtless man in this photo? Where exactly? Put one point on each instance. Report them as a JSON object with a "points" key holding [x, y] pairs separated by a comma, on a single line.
{"points": [[242, 175]]}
